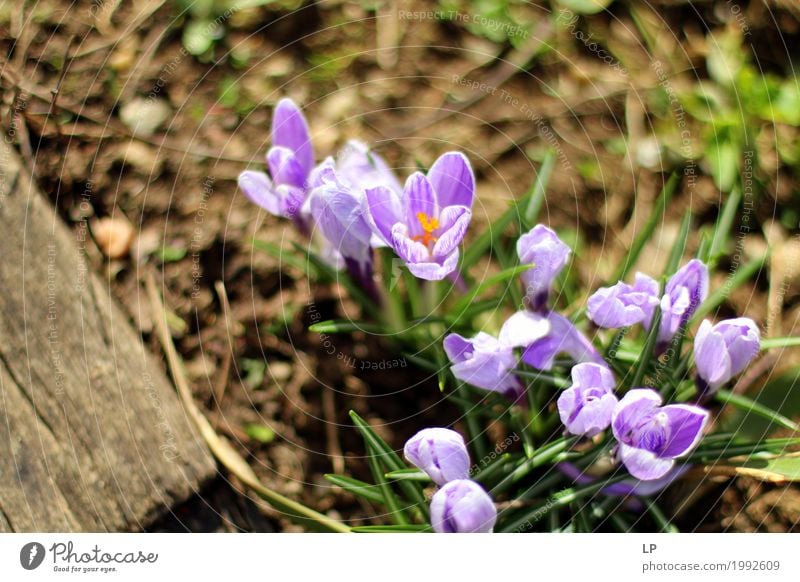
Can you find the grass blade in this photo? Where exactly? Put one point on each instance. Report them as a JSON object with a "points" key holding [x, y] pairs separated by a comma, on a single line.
{"points": [[724, 226], [779, 342], [344, 326], [537, 193], [744, 403], [391, 459], [680, 248], [462, 304], [408, 528], [647, 351], [741, 276], [356, 487], [649, 227]]}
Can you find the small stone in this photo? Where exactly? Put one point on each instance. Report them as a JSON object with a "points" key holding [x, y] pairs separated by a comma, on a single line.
{"points": [[280, 371], [114, 236], [144, 116]]}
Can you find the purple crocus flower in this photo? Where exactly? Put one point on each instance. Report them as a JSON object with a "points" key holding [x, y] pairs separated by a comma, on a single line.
{"points": [[684, 293], [426, 225], [586, 406], [338, 212], [290, 161], [652, 436], [723, 350], [440, 452], [622, 305], [462, 506], [542, 248], [563, 337], [488, 362]]}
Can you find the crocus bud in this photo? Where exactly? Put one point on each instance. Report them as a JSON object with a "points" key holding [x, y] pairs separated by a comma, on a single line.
{"points": [[542, 248], [462, 506], [652, 436], [586, 406], [683, 294], [622, 305], [723, 350], [440, 452]]}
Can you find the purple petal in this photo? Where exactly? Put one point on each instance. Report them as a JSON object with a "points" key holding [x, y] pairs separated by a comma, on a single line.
{"points": [[457, 347], [523, 328], [431, 271], [462, 506], [452, 180], [290, 130], [322, 174], [284, 167], [711, 357], [622, 305], [542, 248], [686, 425], [643, 464], [743, 340], [453, 222], [409, 250], [486, 363], [563, 337], [683, 294], [258, 188], [634, 408], [339, 216], [383, 211], [582, 417], [590, 374], [440, 452], [419, 203], [363, 169]]}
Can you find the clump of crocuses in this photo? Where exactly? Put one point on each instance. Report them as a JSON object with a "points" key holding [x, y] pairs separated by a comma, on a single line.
{"points": [[649, 437], [628, 370], [357, 203], [460, 505]]}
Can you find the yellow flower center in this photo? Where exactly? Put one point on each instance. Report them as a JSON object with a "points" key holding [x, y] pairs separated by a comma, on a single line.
{"points": [[429, 225]]}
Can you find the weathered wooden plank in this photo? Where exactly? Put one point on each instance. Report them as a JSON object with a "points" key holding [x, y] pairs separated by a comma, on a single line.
{"points": [[92, 436]]}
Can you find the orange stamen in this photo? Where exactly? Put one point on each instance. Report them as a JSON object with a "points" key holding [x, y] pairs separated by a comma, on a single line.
{"points": [[429, 225]]}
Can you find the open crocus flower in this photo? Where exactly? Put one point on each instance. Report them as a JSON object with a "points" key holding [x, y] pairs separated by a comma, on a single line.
{"points": [[488, 362], [462, 506], [586, 406], [542, 248], [652, 436], [684, 293], [426, 226], [622, 305], [563, 338], [723, 350], [290, 161], [440, 452]]}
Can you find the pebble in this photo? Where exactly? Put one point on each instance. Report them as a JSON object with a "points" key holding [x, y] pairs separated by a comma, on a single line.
{"points": [[114, 236]]}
